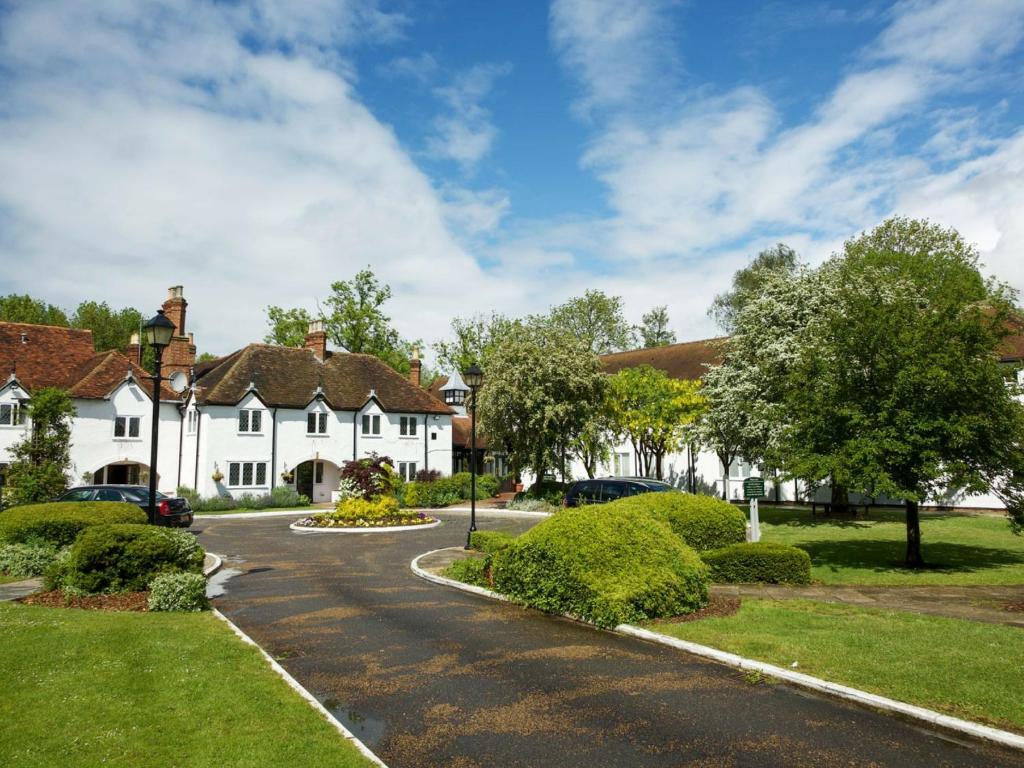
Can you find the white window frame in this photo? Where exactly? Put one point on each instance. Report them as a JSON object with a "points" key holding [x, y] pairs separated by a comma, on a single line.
{"points": [[17, 418], [407, 427], [319, 423], [407, 470], [248, 421], [128, 422], [255, 468], [371, 425], [193, 421]]}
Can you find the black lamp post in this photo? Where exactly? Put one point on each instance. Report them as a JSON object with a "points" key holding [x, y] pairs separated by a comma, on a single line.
{"points": [[158, 333], [474, 379]]}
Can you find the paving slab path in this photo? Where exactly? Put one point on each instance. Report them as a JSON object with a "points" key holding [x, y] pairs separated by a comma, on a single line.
{"points": [[430, 676], [974, 603], [12, 590]]}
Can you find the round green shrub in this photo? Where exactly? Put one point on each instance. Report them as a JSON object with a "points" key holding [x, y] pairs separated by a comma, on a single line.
{"points": [[759, 562], [490, 541], [58, 523], [26, 560], [604, 565], [124, 558], [703, 522], [178, 592]]}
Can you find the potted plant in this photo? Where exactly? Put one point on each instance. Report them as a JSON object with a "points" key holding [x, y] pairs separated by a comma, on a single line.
{"points": [[217, 475], [287, 476]]}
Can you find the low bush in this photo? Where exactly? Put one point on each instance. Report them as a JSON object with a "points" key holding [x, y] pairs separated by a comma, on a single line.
{"points": [[759, 562], [701, 522], [178, 592], [490, 541], [279, 496], [531, 505], [59, 523], [357, 512], [371, 477], [286, 496], [427, 476], [215, 504], [604, 565], [551, 491], [26, 560], [443, 491], [123, 558], [470, 570]]}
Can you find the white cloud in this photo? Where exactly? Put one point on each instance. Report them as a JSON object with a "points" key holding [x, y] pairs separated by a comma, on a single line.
{"points": [[144, 145], [465, 133]]}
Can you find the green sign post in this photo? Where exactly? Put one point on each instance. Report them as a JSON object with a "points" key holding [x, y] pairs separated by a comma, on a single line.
{"points": [[753, 489]]}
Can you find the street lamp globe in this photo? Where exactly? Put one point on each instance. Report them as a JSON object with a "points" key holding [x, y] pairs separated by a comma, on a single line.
{"points": [[159, 330], [473, 376]]}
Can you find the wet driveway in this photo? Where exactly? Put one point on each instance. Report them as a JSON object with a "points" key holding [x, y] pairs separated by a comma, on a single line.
{"points": [[429, 676]]}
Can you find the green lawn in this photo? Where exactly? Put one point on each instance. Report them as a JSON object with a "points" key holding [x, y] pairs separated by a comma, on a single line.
{"points": [[959, 549], [5, 579], [963, 668], [89, 688]]}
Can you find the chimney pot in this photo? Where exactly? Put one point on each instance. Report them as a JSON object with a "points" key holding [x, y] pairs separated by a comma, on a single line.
{"points": [[316, 339]]}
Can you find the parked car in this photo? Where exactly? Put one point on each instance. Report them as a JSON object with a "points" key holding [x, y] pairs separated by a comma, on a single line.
{"points": [[173, 512], [605, 489]]}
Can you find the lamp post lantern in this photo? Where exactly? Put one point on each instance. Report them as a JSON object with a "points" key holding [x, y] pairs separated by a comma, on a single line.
{"points": [[474, 379], [159, 331]]}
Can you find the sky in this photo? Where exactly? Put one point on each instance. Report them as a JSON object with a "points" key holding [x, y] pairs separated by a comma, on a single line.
{"points": [[500, 156]]}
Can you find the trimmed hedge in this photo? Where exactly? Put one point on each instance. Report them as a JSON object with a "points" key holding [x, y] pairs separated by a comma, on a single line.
{"points": [[123, 558], [470, 570], [702, 522], [604, 565], [443, 491], [490, 541], [58, 523], [759, 562]]}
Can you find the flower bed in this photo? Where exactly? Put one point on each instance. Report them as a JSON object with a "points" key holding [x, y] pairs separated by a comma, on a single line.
{"points": [[356, 514]]}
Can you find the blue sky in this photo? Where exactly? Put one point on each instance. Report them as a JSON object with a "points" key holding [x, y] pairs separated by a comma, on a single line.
{"points": [[489, 156]]}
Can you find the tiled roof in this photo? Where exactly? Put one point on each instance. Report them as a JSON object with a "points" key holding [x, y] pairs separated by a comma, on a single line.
{"points": [[47, 356], [1012, 348], [688, 360], [289, 377], [436, 386], [104, 371], [462, 435]]}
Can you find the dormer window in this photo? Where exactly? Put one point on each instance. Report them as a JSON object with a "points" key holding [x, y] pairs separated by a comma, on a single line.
{"points": [[11, 415], [371, 424], [407, 426], [454, 397], [127, 427], [250, 421], [316, 423]]}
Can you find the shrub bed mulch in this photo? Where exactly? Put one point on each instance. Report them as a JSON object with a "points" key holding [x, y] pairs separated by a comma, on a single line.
{"points": [[121, 601], [718, 607], [1014, 607]]}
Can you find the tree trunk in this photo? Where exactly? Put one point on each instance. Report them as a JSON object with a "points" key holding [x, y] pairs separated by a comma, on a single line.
{"points": [[840, 498], [657, 466], [727, 463], [914, 559]]}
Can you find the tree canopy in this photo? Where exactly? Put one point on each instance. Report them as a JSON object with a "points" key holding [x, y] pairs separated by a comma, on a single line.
{"points": [[15, 308], [654, 330], [474, 340], [747, 282], [597, 319], [42, 459]]}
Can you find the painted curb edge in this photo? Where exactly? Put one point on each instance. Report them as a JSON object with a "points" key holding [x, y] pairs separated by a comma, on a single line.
{"points": [[388, 529], [218, 561], [310, 698], [253, 515], [873, 701]]}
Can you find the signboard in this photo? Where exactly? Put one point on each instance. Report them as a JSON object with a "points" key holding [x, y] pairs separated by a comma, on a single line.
{"points": [[753, 488]]}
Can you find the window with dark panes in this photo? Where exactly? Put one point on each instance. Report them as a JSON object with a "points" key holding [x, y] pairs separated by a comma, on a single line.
{"points": [[233, 473], [120, 426], [310, 423], [612, 491], [318, 472], [247, 473], [322, 423], [243, 421], [261, 474], [133, 426], [256, 419]]}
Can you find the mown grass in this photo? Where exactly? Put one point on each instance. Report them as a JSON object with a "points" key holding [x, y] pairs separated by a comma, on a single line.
{"points": [[963, 668], [959, 549], [90, 688]]}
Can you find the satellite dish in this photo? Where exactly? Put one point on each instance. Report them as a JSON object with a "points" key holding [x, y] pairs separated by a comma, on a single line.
{"points": [[178, 381]]}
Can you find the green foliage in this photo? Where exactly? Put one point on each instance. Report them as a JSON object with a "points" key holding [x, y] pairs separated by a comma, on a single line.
{"points": [[653, 411], [42, 459], [747, 282], [370, 477], [490, 541], [59, 523], [367, 509], [123, 558], [280, 496], [597, 320], [443, 491], [470, 570], [475, 339], [550, 491], [758, 562], [654, 330], [178, 592], [522, 504], [112, 328], [604, 565], [26, 560], [288, 327], [16, 308], [702, 522]]}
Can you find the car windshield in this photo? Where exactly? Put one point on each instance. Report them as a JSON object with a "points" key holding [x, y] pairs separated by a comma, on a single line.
{"points": [[141, 495]]}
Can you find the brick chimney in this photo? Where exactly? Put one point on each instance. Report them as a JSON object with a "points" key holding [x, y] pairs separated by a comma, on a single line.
{"points": [[180, 354], [415, 367], [134, 350], [316, 339]]}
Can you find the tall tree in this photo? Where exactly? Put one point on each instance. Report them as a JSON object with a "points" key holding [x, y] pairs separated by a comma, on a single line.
{"points": [[474, 339], [901, 366], [597, 320], [15, 308], [111, 328], [288, 327], [653, 411], [654, 330], [747, 281], [43, 458], [542, 388]]}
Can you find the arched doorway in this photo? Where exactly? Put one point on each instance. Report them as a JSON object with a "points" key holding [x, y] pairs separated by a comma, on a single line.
{"points": [[316, 479], [122, 473]]}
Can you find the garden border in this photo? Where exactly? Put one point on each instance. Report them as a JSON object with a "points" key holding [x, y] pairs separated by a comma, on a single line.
{"points": [[387, 529], [855, 695], [297, 687]]}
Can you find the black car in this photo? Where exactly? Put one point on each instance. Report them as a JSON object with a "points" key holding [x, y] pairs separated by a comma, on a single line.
{"points": [[607, 489], [173, 512]]}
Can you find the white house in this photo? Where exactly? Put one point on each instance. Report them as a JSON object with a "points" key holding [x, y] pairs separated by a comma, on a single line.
{"points": [[260, 417]]}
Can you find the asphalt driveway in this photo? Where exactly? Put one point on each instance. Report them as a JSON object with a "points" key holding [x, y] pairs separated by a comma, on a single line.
{"points": [[429, 676]]}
